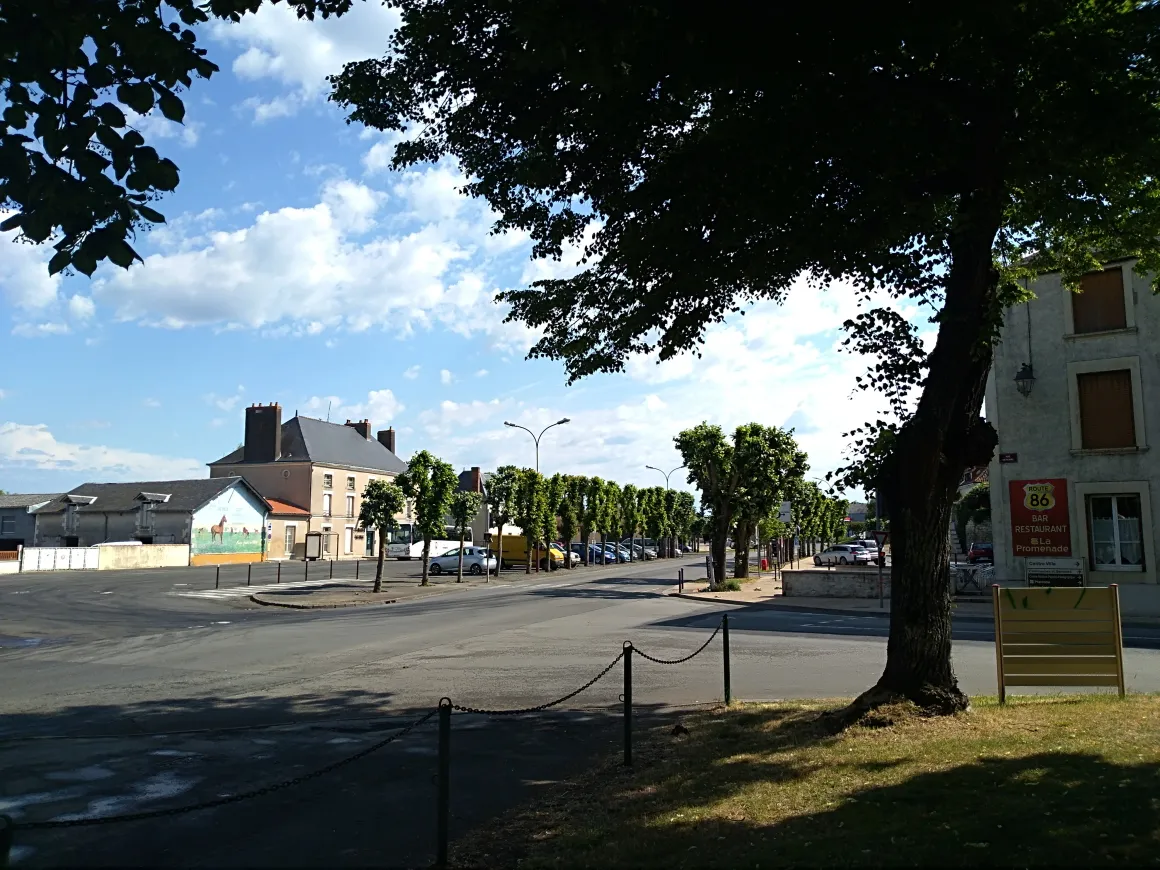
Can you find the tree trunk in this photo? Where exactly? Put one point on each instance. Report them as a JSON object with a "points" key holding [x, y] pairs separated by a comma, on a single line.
{"points": [[426, 559], [720, 533], [379, 567], [462, 535], [499, 555], [741, 551], [921, 475], [528, 554]]}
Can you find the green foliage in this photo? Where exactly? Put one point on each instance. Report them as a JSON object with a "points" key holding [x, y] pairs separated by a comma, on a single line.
{"points": [[973, 507], [464, 508], [429, 484], [72, 169], [501, 493], [629, 513], [608, 521], [684, 518], [569, 524], [656, 520], [529, 504], [382, 500]]}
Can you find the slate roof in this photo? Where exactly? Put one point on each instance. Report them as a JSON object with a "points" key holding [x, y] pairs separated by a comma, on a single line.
{"points": [[184, 495], [27, 499], [305, 439]]}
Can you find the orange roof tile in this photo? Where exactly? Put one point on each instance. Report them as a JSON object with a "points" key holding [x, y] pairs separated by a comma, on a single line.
{"points": [[284, 507]]}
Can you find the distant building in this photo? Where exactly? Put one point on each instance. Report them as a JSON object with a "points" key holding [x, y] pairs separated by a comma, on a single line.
{"points": [[313, 474], [222, 520], [17, 521]]}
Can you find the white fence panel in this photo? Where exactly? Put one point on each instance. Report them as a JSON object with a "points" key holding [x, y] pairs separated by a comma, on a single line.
{"points": [[59, 559]]}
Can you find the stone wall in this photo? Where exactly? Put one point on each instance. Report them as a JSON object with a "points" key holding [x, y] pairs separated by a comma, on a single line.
{"points": [[820, 583]]}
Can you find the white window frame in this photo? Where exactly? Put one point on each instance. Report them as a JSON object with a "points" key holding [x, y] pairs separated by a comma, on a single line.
{"points": [[289, 527], [348, 540], [326, 532], [351, 483], [1129, 308], [1081, 520], [1115, 497], [350, 505], [327, 504], [1132, 364], [328, 481]]}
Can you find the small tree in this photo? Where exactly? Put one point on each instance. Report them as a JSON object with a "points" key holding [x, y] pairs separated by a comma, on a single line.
{"points": [[973, 507], [381, 501], [576, 487], [594, 494], [429, 483], [609, 521], [527, 509], [568, 525], [464, 507], [501, 489], [629, 515]]}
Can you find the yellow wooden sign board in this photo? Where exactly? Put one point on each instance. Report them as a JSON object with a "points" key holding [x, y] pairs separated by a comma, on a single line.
{"points": [[1058, 636]]}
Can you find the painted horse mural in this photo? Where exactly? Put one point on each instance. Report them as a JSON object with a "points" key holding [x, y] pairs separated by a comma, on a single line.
{"points": [[218, 531]]}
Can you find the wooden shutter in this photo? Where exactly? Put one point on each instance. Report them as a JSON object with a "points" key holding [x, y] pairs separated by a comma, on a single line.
{"points": [[1105, 410], [1099, 305]]}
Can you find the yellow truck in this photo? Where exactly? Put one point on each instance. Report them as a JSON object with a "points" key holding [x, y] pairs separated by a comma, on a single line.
{"points": [[515, 553]]}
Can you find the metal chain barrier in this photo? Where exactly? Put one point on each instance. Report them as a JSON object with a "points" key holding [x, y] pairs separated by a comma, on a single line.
{"points": [[679, 661], [231, 799], [540, 707]]}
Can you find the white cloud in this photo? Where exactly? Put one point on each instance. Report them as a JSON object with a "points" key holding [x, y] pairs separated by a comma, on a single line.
{"points": [[225, 403], [380, 407], [29, 329], [445, 376], [482, 373], [412, 373], [157, 126], [300, 54], [3, 394], [34, 446], [81, 307], [303, 271], [151, 403], [432, 193], [24, 280]]}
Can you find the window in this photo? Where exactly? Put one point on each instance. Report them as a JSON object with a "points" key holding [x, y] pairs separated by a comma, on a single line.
{"points": [[291, 533], [7, 525], [328, 481], [1099, 306], [350, 483], [350, 505], [1116, 528], [326, 540], [1105, 410], [326, 504], [348, 540]]}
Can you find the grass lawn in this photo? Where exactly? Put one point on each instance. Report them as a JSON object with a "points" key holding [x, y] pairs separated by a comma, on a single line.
{"points": [[1044, 781]]}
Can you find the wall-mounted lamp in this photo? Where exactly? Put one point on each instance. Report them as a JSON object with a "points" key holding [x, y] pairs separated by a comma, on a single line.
{"points": [[1025, 380]]}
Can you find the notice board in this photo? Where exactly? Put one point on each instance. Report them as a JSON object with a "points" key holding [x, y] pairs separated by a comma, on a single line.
{"points": [[1040, 518]]}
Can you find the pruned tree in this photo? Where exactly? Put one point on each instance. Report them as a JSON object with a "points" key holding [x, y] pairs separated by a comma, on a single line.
{"points": [[465, 506], [628, 515], [569, 525], [500, 496], [608, 522], [933, 157], [428, 483], [528, 511], [592, 519], [655, 519], [382, 500], [684, 515], [576, 488]]}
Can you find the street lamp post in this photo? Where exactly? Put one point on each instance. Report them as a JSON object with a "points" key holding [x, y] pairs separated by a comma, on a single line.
{"points": [[666, 474], [537, 438]]}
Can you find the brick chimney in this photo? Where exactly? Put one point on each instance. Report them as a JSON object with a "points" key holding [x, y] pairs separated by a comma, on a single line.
{"points": [[263, 433], [362, 427], [476, 479], [387, 438]]}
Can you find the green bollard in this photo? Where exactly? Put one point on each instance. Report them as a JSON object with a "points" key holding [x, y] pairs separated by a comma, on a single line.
{"points": [[725, 646]]}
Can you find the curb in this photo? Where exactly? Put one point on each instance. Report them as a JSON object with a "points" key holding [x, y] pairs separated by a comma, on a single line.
{"points": [[800, 608], [291, 606]]}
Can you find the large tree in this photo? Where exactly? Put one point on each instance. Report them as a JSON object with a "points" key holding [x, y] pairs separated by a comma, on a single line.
{"points": [[576, 488], [922, 153], [429, 483], [628, 515], [74, 170], [382, 500], [528, 504]]}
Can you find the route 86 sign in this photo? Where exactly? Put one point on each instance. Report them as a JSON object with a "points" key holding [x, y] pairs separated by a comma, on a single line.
{"points": [[1039, 496]]}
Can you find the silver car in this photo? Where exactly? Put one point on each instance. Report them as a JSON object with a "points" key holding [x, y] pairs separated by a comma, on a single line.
{"points": [[476, 560]]}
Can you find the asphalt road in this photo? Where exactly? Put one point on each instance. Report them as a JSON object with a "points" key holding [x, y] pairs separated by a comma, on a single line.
{"points": [[185, 698]]}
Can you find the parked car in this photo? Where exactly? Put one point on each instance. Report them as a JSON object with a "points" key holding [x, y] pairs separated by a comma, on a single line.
{"points": [[595, 554], [476, 560], [616, 553], [845, 554], [981, 551], [864, 543], [573, 555], [642, 554], [515, 553]]}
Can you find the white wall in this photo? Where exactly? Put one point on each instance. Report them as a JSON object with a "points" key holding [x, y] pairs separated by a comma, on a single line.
{"points": [[145, 556]]}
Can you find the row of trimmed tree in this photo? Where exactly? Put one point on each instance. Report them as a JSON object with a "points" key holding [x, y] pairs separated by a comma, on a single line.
{"points": [[744, 478], [570, 508]]}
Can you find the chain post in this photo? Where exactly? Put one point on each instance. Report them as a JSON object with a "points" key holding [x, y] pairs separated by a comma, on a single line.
{"points": [[725, 656], [7, 834], [331, 569], [443, 776], [357, 562], [628, 703], [217, 577], [681, 580], [279, 571], [306, 571], [249, 568]]}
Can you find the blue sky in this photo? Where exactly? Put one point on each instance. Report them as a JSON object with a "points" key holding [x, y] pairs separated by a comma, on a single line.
{"points": [[296, 267]]}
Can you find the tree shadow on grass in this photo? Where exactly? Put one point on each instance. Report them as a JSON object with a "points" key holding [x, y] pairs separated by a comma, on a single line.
{"points": [[743, 798]]}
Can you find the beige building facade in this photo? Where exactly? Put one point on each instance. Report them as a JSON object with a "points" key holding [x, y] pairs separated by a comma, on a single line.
{"points": [[312, 473]]}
